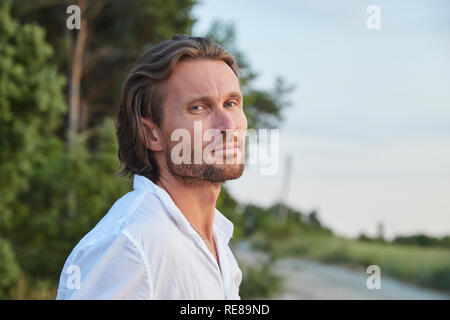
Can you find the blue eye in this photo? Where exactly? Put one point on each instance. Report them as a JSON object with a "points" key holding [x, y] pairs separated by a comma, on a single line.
{"points": [[230, 102], [196, 108]]}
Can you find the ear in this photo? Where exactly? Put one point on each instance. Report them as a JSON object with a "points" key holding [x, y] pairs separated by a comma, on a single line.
{"points": [[153, 134]]}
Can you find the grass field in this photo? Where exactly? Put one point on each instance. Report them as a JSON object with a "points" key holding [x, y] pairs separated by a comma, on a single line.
{"points": [[424, 266]]}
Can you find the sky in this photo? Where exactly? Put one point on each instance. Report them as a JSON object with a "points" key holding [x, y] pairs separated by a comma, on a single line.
{"points": [[369, 125]]}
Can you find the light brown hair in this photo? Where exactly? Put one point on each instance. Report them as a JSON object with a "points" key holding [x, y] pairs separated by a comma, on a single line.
{"points": [[143, 95]]}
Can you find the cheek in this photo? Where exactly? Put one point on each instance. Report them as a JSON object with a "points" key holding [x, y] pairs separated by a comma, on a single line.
{"points": [[241, 120], [182, 133], [180, 126], [242, 126]]}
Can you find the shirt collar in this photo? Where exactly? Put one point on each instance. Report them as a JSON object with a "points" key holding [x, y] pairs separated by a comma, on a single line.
{"points": [[221, 223]]}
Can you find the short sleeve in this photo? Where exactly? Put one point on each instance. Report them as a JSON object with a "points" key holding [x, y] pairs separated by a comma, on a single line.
{"points": [[112, 268]]}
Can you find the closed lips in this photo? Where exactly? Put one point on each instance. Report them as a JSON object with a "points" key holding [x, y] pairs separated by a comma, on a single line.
{"points": [[227, 146]]}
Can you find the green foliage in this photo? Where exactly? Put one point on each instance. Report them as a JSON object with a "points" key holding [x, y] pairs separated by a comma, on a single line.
{"points": [[70, 194], [51, 195], [9, 268], [31, 106], [279, 222], [117, 33], [29, 289], [423, 240], [260, 282]]}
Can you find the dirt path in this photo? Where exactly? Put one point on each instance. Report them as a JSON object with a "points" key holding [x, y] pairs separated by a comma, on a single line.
{"points": [[305, 279]]}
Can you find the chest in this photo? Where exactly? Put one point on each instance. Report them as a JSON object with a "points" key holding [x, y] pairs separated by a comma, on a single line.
{"points": [[189, 270]]}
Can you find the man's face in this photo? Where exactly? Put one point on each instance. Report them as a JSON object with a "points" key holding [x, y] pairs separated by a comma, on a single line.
{"points": [[205, 94]]}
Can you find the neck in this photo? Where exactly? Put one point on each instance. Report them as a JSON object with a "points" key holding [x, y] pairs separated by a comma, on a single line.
{"points": [[196, 202]]}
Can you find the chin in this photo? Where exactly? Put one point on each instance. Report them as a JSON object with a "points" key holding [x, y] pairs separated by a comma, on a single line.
{"points": [[231, 171]]}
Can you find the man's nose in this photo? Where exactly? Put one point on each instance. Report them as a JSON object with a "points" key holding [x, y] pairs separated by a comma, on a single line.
{"points": [[224, 120]]}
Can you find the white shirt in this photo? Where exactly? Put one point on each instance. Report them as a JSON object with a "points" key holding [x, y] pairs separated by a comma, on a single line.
{"points": [[145, 248]]}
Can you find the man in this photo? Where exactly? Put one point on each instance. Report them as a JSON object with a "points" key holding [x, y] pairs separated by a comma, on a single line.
{"points": [[166, 239]]}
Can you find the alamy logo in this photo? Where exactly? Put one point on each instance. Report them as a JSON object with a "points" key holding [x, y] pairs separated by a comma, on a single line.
{"points": [[74, 279], [74, 20], [373, 281], [374, 20]]}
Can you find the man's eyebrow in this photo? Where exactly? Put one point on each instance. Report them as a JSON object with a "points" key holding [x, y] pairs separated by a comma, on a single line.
{"points": [[234, 94]]}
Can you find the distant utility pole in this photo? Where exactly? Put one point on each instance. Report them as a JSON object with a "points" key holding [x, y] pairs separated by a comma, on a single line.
{"points": [[285, 184]]}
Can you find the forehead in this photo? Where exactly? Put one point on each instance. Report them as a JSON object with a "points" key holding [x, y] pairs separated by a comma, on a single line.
{"points": [[201, 77]]}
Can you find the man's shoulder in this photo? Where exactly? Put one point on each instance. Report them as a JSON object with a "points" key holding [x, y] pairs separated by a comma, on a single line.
{"points": [[138, 215]]}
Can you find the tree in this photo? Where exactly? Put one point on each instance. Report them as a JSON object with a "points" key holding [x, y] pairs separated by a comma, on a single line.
{"points": [[51, 195], [31, 105], [9, 268], [112, 36]]}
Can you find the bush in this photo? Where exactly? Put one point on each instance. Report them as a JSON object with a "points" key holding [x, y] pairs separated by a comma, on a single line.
{"points": [[260, 282], [9, 269]]}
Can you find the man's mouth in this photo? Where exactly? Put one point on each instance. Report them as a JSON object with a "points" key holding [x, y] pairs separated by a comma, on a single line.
{"points": [[229, 149]]}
